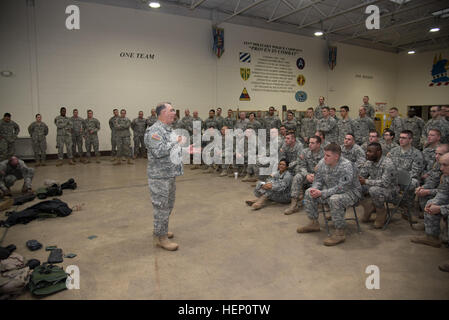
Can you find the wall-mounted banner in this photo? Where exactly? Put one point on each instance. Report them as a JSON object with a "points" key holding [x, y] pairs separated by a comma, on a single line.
{"points": [[332, 57], [301, 80], [272, 67], [218, 46], [137, 55], [245, 73], [439, 72], [244, 96], [301, 96]]}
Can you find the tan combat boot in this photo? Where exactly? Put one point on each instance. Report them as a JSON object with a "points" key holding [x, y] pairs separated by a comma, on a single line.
{"points": [[97, 159], [313, 226], [74, 159], [71, 162], [381, 217], [223, 173], [166, 244], [252, 179], [117, 162], [113, 159], [293, 207], [336, 238], [260, 203], [130, 161], [427, 240], [444, 266], [170, 235], [87, 160], [246, 178], [59, 163], [368, 210], [211, 169]]}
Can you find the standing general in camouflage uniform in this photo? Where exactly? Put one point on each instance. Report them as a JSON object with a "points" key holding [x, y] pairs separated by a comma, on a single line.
{"points": [[379, 179], [63, 137], [139, 126], [77, 135], [152, 118], [113, 134], [8, 135], [397, 123], [91, 128], [305, 172], [162, 145], [352, 151], [38, 131], [345, 125], [328, 125], [416, 125], [407, 158], [436, 209], [362, 126], [123, 136], [336, 183], [276, 188], [308, 125], [370, 111], [12, 170], [318, 109], [229, 121]]}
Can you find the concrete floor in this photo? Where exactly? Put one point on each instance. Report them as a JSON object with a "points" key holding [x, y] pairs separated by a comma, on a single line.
{"points": [[227, 251]]}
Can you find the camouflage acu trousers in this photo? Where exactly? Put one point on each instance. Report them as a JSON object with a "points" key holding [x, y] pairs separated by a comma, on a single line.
{"points": [[163, 199], [139, 145], [39, 149], [432, 224], [91, 141], [337, 204], [298, 183], [379, 195], [123, 146], [60, 142], [77, 145], [9, 181], [113, 144], [281, 197], [7, 149]]}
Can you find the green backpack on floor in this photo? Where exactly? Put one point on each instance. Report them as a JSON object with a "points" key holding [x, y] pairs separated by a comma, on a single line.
{"points": [[47, 279]]}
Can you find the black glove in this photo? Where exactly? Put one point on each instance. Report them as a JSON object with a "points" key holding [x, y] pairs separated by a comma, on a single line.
{"points": [[33, 245]]}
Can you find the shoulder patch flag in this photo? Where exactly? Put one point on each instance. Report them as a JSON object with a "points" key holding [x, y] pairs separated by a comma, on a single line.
{"points": [[155, 136]]}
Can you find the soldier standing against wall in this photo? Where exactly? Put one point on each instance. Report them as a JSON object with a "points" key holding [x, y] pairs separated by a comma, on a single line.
{"points": [[122, 125], [8, 135], [77, 136], [139, 125], [113, 134], [63, 137], [91, 128], [38, 131]]}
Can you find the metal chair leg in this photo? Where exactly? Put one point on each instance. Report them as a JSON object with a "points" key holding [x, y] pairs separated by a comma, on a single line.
{"points": [[356, 219], [325, 220], [388, 216]]}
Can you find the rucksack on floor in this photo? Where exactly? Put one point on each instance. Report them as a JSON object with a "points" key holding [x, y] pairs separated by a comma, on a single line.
{"points": [[47, 279]]}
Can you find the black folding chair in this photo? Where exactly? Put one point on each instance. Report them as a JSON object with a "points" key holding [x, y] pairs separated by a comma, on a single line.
{"points": [[404, 182], [356, 219]]}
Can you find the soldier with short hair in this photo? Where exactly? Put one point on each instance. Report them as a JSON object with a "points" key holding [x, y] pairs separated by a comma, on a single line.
{"points": [[362, 126], [352, 151], [123, 135], [139, 125], [8, 135], [379, 179], [291, 123], [38, 131], [152, 118], [64, 137], [229, 121], [11, 170], [210, 122], [219, 118], [336, 184], [435, 122], [77, 136], [241, 122], [91, 128], [433, 140], [328, 125], [305, 172], [387, 142], [113, 134], [397, 123], [345, 124], [291, 151], [372, 137], [416, 125], [308, 125], [321, 105], [370, 111]]}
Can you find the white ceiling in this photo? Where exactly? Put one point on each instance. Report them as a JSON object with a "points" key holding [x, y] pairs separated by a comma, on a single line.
{"points": [[404, 25]]}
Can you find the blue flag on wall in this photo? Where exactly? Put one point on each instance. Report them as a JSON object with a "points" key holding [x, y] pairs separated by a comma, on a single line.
{"points": [[218, 47], [332, 57]]}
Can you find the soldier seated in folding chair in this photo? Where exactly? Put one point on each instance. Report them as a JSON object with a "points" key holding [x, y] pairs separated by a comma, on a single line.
{"points": [[436, 209], [336, 183], [379, 179]]}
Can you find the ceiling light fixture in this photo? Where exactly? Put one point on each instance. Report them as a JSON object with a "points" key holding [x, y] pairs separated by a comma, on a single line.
{"points": [[154, 4], [434, 29], [411, 52], [318, 33]]}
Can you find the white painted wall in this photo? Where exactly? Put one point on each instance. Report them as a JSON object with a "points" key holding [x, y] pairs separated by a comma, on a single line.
{"points": [[54, 66]]}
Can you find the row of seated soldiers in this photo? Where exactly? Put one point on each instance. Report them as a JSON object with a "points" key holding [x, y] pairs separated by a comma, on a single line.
{"points": [[373, 172]]}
